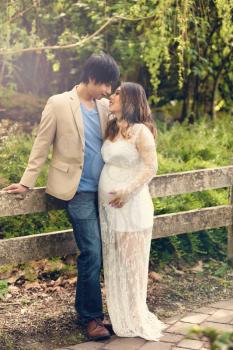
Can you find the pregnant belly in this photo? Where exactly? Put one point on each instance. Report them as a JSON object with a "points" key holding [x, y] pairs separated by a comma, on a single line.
{"points": [[137, 213], [113, 178]]}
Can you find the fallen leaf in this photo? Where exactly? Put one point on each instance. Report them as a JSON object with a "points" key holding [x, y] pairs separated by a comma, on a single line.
{"points": [[32, 285], [72, 280], [155, 276], [178, 272], [13, 289], [198, 267]]}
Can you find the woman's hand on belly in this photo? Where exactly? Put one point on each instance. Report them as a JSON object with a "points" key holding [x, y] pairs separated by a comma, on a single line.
{"points": [[119, 199]]}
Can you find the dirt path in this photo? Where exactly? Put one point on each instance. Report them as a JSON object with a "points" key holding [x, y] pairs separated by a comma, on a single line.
{"points": [[36, 312]]}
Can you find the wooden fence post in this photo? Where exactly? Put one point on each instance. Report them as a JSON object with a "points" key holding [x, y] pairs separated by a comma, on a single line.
{"points": [[230, 230]]}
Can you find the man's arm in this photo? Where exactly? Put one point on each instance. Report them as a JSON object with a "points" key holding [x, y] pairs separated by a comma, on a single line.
{"points": [[39, 152]]}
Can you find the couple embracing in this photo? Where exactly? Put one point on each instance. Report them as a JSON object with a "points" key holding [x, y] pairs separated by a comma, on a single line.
{"points": [[102, 161]]}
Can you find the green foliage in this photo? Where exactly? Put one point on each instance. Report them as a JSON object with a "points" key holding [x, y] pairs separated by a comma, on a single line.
{"points": [[3, 288], [179, 48], [224, 8], [183, 147], [204, 144], [13, 157], [217, 339], [221, 271], [30, 274], [194, 146], [156, 39]]}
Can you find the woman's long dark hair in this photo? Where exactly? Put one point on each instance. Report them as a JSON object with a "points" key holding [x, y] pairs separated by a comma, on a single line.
{"points": [[135, 110]]}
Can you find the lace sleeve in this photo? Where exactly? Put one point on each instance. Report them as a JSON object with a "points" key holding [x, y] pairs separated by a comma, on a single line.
{"points": [[146, 147]]}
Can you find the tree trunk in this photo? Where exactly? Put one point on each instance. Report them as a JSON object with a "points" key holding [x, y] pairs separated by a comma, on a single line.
{"points": [[186, 110], [195, 104], [2, 72], [214, 95], [37, 59], [225, 62]]}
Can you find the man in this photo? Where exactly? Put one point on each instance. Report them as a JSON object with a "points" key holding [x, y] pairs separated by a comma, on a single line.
{"points": [[74, 123]]}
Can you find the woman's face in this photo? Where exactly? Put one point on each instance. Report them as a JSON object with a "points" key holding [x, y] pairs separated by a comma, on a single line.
{"points": [[115, 102]]}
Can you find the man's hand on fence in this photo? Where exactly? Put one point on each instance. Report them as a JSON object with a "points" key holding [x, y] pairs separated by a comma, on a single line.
{"points": [[15, 188]]}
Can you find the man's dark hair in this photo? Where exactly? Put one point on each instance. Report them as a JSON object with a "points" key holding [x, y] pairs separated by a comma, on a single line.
{"points": [[102, 68]]}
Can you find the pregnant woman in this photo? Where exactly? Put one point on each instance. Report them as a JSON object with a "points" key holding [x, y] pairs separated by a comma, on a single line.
{"points": [[126, 212]]}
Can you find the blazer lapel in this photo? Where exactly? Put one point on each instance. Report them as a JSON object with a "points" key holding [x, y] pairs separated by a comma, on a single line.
{"points": [[75, 106], [103, 115], [102, 112]]}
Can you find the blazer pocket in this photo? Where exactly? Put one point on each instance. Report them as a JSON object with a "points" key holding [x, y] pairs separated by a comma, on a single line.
{"points": [[60, 165]]}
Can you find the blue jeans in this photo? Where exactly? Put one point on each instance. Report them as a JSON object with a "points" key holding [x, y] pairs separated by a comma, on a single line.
{"points": [[83, 213]]}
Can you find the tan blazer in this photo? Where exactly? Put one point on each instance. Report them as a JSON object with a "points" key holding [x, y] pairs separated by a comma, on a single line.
{"points": [[62, 127]]}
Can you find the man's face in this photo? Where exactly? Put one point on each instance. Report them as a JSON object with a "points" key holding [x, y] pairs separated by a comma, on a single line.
{"points": [[98, 91]]}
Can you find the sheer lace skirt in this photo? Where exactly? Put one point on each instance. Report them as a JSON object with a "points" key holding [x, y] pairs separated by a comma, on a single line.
{"points": [[126, 260], [126, 232]]}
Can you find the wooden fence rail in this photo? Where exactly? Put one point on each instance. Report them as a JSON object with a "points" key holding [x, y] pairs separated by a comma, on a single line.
{"points": [[39, 246]]}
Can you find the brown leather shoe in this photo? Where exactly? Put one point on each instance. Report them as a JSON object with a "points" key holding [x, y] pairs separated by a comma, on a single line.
{"points": [[107, 325], [109, 328], [96, 330]]}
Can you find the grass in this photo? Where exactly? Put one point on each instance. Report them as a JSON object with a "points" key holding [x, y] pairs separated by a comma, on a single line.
{"points": [[3, 289]]}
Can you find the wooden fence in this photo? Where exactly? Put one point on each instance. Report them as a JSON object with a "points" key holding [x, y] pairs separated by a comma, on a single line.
{"points": [[39, 246]]}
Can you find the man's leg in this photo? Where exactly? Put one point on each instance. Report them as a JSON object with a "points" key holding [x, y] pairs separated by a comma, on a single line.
{"points": [[83, 213]]}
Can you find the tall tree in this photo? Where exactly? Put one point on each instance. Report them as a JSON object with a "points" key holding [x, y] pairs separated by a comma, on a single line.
{"points": [[180, 48]]}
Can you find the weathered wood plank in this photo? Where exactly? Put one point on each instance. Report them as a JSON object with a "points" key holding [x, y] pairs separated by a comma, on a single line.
{"points": [[191, 181], [22, 249], [192, 220], [45, 245], [230, 233], [35, 201]]}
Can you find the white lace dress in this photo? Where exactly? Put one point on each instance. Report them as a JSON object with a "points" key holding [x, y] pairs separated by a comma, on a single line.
{"points": [[126, 232]]}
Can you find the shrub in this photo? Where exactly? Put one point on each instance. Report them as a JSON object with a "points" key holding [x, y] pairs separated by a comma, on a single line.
{"points": [[180, 148]]}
